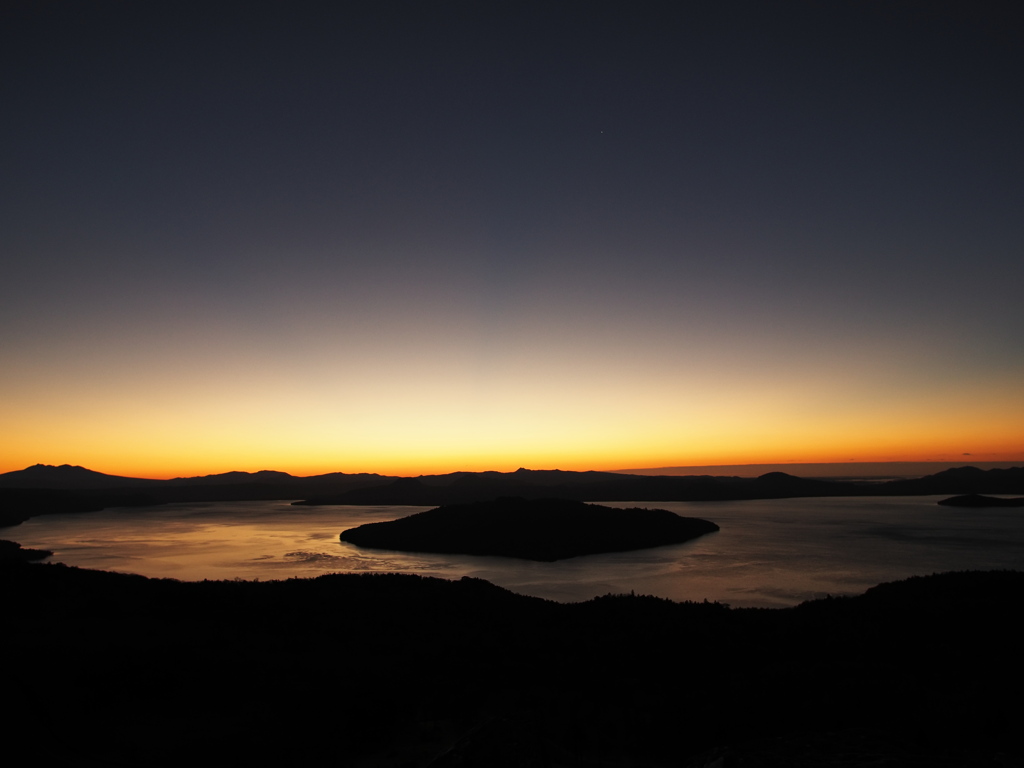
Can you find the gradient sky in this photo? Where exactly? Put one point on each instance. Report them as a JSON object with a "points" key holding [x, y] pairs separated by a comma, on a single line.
{"points": [[422, 237]]}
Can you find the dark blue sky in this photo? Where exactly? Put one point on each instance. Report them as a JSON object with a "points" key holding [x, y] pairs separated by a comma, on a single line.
{"points": [[756, 205]]}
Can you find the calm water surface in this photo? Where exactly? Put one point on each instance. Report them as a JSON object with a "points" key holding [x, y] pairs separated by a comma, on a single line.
{"points": [[768, 553]]}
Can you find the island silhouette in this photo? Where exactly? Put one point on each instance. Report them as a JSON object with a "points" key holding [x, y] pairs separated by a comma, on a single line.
{"points": [[531, 529], [979, 500]]}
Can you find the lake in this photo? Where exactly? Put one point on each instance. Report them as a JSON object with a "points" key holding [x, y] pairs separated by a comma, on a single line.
{"points": [[768, 553]]}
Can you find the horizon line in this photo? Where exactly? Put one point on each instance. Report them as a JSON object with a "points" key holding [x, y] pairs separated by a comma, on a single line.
{"points": [[837, 469]]}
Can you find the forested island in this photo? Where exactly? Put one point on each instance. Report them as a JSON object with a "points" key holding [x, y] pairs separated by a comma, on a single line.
{"points": [[532, 529], [388, 671]]}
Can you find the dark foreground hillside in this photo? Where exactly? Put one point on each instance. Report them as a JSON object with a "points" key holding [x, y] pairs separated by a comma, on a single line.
{"points": [[365, 670]]}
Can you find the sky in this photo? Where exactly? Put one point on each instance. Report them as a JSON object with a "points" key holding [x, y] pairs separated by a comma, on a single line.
{"points": [[412, 238]]}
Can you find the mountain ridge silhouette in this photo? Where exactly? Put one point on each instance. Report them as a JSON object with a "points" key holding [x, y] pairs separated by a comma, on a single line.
{"points": [[43, 489]]}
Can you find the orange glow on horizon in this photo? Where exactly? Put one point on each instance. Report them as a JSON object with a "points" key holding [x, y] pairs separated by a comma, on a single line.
{"points": [[148, 469], [538, 413]]}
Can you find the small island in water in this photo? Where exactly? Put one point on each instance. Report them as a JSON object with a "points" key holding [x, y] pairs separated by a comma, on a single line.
{"points": [[977, 500], [531, 529]]}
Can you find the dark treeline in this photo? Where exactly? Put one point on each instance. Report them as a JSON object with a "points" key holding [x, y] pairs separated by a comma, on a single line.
{"points": [[388, 670]]}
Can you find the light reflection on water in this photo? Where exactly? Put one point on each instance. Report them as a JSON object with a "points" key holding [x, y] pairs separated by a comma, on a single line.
{"points": [[768, 553]]}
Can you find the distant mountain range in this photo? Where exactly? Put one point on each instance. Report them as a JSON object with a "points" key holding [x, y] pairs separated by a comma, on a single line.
{"points": [[68, 477], [842, 470], [43, 489]]}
